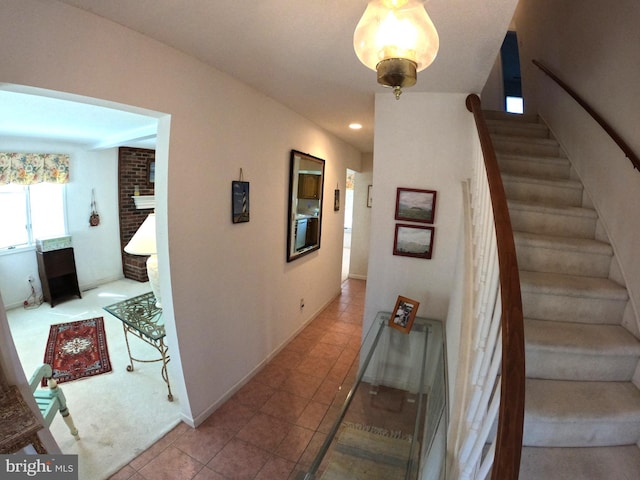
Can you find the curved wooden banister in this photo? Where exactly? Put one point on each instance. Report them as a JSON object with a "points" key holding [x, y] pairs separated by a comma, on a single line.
{"points": [[506, 464], [596, 116]]}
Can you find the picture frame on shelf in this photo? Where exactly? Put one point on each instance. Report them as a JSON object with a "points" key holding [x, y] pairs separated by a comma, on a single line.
{"points": [[403, 314], [239, 201], [413, 241], [415, 205]]}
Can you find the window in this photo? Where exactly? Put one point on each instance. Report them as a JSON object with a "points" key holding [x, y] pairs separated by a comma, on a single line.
{"points": [[515, 105], [30, 212]]}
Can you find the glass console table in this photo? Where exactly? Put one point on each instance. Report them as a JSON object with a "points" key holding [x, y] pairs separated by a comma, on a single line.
{"points": [[389, 408], [140, 317]]}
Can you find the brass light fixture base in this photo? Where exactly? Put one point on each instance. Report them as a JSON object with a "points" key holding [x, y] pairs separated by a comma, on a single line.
{"points": [[397, 73]]}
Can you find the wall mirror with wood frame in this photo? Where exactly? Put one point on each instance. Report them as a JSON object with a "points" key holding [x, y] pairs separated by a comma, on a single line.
{"points": [[306, 183]]}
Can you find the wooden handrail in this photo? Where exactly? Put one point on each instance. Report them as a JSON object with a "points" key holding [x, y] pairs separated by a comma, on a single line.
{"points": [[635, 161], [506, 464]]}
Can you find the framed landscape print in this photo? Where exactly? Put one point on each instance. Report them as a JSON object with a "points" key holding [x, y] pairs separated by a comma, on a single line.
{"points": [[404, 313], [415, 205], [413, 241]]}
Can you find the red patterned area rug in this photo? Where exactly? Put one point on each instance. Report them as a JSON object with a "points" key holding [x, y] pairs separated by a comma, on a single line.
{"points": [[77, 350]]}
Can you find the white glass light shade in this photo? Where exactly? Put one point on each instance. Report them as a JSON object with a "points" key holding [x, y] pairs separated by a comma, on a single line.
{"points": [[396, 29], [144, 240]]}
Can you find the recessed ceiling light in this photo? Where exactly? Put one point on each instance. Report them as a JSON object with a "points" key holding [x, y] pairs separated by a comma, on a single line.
{"points": [[355, 126]]}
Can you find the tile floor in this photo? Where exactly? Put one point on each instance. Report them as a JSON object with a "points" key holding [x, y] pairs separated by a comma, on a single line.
{"points": [[272, 428]]}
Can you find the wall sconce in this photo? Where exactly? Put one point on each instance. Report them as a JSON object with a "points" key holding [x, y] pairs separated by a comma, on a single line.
{"points": [[143, 242], [397, 39]]}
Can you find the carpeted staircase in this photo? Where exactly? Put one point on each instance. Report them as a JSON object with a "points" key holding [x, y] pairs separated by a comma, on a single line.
{"points": [[582, 413]]}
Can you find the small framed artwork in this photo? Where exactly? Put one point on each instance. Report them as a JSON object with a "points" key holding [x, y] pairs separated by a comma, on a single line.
{"points": [[336, 200], [369, 196], [151, 172], [415, 205], [413, 241], [404, 314], [239, 201]]}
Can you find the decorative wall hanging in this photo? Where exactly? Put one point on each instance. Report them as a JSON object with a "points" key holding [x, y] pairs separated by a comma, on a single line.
{"points": [[336, 199], [404, 313], [239, 200], [151, 172], [413, 241], [94, 218], [415, 205]]}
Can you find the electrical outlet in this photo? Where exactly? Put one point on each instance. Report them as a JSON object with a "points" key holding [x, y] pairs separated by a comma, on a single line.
{"points": [[301, 303]]}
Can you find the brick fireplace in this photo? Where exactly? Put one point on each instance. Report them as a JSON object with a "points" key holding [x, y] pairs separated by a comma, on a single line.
{"points": [[134, 170]]}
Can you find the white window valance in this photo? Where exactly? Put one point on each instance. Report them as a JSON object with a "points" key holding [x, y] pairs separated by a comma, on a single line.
{"points": [[30, 168]]}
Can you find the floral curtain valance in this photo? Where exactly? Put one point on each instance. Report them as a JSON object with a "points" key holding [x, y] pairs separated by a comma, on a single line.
{"points": [[30, 168]]}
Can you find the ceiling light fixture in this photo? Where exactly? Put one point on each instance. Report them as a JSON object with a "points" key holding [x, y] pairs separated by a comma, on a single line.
{"points": [[397, 39], [355, 126]]}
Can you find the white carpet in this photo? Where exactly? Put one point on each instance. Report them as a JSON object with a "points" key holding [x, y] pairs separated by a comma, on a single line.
{"points": [[118, 414]]}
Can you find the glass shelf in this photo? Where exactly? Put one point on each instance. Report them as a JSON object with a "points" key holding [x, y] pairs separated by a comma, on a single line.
{"points": [[389, 407]]}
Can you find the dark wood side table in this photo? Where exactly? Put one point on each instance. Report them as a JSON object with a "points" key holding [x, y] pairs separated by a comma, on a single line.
{"points": [[57, 271]]}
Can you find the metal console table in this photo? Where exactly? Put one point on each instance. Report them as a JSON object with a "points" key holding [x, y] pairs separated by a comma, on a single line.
{"points": [[140, 317]]}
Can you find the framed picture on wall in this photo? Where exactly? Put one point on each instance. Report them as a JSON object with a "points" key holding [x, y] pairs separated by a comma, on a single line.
{"points": [[413, 205], [239, 201], [151, 172], [413, 241], [404, 313]]}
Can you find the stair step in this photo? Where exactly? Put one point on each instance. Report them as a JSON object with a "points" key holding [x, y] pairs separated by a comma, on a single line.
{"points": [[517, 129], [573, 351], [596, 463], [540, 190], [526, 145], [558, 297], [581, 414], [510, 117], [572, 256], [553, 219], [538, 166]]}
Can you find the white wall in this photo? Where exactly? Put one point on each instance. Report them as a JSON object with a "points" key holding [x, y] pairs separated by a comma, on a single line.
{"points": [[96, 249], [432, 151], [594, 49], [228, 288], [359, 258]]}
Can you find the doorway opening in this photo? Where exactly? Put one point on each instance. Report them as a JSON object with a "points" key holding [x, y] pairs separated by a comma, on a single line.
{"points": [[95, 403], [348, 222]]}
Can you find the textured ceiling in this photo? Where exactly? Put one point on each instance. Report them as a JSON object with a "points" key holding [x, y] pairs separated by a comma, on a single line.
{"points": [[300, 53]]}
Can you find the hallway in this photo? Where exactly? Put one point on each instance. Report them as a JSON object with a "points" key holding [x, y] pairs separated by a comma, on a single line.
{"points": [[272, 427]]}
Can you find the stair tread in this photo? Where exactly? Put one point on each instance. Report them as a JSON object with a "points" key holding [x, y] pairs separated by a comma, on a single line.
{"points": [[562, 401], [571, 285], [552, 209], [523, 139], [592, 463], [520, 123], [524, 157], [573, 244], [580, 338], [552, 182]]}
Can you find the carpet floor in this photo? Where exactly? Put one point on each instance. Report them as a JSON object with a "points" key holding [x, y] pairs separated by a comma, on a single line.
{"points": [[118, 415]]}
